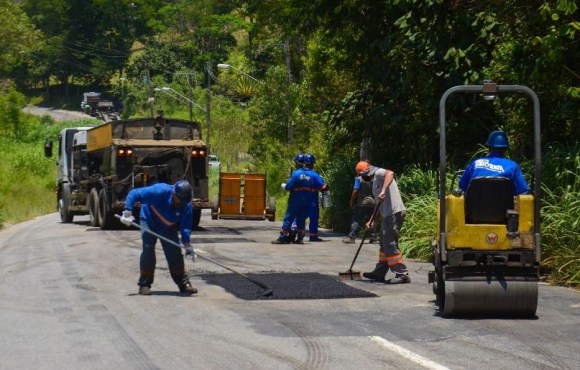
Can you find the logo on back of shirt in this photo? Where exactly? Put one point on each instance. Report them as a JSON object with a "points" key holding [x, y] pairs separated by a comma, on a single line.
{"points": [[484, 163]]}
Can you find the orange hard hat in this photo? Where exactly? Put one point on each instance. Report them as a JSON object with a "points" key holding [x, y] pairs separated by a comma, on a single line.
{"points": [[361, 166]]}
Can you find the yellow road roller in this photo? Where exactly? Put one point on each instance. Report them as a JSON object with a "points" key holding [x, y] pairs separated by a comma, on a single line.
{"points": [[487, 249]]}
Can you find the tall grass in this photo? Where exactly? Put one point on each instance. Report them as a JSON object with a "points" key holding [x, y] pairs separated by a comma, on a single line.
{"points": [[27, 184], [417, 188], [560, 221]]}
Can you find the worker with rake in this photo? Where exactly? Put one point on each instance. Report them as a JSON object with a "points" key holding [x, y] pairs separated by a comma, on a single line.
{"points": [[165, 209], [392, 210]]}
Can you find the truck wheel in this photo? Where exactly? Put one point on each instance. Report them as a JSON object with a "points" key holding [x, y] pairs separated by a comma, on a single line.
{"points": [[196, 217], [94, 207], [105, 215], [63, 200]]}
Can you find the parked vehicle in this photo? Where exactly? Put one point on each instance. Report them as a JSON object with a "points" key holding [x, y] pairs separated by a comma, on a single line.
{"points": [[214, 162], [98, 166]]}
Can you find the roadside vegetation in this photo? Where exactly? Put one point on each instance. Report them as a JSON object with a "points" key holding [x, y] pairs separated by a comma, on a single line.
{"points": [[294, 84]]}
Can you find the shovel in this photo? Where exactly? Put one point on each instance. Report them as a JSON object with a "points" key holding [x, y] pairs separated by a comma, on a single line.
{"points": [[355, 275]]}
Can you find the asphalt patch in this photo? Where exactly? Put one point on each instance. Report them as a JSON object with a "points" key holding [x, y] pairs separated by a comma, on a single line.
{"points": [[286, 286]]}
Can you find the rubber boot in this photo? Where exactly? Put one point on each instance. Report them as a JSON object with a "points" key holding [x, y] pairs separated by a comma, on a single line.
{"points": [[378, 273]]}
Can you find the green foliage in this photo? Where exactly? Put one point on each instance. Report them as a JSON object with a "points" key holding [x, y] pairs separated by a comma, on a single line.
{"points": [[27, 185], [11, 104], [561, 215], [418, 189], [17, 36]]}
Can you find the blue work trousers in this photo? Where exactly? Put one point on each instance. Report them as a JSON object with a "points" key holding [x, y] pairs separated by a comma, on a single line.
{"points": [[295, 212], [172, 253], [313, 216]]}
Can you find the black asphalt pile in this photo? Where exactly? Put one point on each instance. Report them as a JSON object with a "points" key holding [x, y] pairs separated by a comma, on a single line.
{"points": [[286, 286]]}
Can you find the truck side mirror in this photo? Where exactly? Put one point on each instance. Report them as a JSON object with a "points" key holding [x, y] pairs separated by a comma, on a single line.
{"points": [[48, 148]]}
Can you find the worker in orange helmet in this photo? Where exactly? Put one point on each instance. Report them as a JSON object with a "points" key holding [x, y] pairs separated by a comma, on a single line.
{"points": [[392, 210]]}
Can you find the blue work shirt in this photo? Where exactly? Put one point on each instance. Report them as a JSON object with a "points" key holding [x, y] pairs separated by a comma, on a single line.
{"points": [[356, 185], [157, 212], [495, 165], [315, 183]]}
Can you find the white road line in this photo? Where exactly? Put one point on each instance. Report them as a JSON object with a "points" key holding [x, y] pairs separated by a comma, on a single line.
{"points": [[408, 354]]}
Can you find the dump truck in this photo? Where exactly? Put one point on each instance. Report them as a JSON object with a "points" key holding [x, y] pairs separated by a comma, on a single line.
{"points": [[243, 196], [98, 166], [95, 105], [487, 248]]}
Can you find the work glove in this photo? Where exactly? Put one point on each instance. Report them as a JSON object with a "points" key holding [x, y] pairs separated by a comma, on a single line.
{"points": [[127, 218], [283, 185], [189, 251]]}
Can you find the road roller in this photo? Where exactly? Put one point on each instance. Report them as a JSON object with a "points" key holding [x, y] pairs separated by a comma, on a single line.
{"points": [[487, 248]]}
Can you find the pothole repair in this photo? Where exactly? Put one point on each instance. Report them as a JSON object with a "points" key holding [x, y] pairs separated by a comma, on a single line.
{"points": [[286, 286]]}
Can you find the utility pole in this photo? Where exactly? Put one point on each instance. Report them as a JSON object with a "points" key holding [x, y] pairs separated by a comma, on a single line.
{"points": [[208, 105], [289, 108], [190, 83], [150, 91]]}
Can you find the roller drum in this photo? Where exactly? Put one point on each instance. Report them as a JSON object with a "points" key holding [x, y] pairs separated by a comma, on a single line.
{"points": [[495, 297]]}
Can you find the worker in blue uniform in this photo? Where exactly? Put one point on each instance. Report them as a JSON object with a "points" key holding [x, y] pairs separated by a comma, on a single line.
{"points": [[317, 184], [166, 210], [495, 165], [298, 185]]}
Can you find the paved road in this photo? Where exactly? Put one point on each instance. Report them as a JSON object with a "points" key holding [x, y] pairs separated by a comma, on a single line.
{"points": [[56, 114], [69, 302]]}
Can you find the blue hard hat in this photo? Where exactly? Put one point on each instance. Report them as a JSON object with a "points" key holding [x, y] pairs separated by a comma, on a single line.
{"points": [[299, 158], [497, 140], [183, 191], [309, 159]]}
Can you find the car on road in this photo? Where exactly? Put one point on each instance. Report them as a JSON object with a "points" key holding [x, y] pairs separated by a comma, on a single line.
{"points": [[214, 162]]}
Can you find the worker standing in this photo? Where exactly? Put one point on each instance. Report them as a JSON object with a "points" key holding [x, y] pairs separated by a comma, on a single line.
{"points": [[298, 201], [317, 184], [165, 210], [392, 210], [362, 204]]}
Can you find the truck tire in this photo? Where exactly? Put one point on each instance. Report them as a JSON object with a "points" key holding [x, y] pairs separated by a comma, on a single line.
{"points": [[65, 216], [94, 207], [196, 217], [106, 217]]}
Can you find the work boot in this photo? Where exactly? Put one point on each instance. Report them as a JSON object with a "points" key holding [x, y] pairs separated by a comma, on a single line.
{"points": [[299, 240], [315, 239], [187, 288], [374, 276], [378, 273], [144, 290], [348, 241], [400, 279], [280, 241]]}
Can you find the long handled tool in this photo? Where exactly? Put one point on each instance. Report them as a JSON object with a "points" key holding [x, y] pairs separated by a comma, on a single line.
{"points": [[355, 275], [267, 290]]}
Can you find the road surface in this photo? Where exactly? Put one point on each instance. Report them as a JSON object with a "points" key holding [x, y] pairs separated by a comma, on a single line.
{"points": [[69, 302], [56, 114]]}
